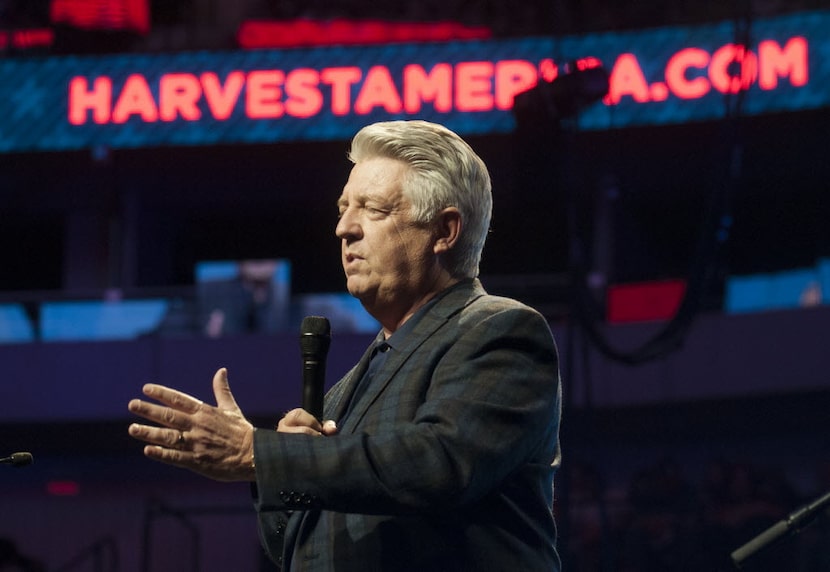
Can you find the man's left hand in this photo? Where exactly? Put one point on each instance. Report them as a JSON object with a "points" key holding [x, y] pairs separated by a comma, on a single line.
{"points": [[217, 442]]}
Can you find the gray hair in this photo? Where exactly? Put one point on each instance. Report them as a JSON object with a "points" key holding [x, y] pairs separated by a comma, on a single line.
{"points": [[444, 171]]}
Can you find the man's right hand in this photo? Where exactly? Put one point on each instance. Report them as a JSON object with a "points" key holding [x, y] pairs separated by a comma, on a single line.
{"points": [[301, 421]]}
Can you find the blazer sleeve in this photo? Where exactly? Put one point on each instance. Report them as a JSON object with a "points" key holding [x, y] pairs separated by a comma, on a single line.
{"points": [[478, 399]]}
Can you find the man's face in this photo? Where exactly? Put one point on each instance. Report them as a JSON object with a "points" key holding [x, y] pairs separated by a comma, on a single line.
{"points": [[387, 257]]}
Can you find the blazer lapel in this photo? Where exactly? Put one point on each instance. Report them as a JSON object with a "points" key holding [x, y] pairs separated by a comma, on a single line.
{"points": [[445, 308], [338, 398]]}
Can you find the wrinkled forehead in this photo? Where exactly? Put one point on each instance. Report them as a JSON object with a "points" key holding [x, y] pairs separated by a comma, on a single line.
{"points": [[376, 179]]}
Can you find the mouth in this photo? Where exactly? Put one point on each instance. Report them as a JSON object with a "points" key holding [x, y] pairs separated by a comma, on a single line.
{"points": [[350, 261]]}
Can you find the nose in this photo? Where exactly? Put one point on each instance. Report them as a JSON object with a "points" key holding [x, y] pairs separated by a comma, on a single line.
{"points": [[347, 226]]}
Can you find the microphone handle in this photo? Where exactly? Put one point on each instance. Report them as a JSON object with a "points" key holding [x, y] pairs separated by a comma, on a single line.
{"points": [[314, 373], [794, 522]]}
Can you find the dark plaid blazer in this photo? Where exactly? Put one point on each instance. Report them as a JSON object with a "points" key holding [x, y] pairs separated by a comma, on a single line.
{"points": [[445, 461]]}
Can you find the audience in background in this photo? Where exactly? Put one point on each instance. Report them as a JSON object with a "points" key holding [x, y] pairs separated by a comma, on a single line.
{"points": [[662, 521]]}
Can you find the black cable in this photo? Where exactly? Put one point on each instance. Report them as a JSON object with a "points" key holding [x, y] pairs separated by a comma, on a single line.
{"points": [[708, 257]]}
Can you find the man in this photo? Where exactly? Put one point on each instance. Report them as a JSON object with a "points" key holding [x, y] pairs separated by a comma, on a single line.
{"points": [[439, 446]]}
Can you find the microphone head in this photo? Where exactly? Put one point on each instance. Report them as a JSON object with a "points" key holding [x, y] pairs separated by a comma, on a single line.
{"points": [[21, 459], [315, 335], [315, 326]]}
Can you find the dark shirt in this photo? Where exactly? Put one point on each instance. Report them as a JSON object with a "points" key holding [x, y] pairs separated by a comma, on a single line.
{"points": [[383, 347]]}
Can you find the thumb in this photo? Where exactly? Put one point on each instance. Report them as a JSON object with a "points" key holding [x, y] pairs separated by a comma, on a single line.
{"points": [[329, 427], [222, 391]]}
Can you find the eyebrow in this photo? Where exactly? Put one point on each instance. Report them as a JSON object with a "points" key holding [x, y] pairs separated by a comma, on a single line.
{"points": [[363, 198]]}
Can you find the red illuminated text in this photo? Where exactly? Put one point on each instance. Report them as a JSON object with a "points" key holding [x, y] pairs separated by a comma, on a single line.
{"points": [[692, 73], [474, 86], [271, 94]]}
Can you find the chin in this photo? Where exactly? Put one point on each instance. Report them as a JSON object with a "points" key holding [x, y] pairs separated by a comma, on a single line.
{"points": [[360, 291], [354, 287]]}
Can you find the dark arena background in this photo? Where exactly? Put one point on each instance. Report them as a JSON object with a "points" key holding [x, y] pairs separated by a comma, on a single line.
{"points": [[168, 177]]}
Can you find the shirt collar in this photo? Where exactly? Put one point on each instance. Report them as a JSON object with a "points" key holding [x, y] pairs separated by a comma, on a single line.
{"points": [[394, 341]]}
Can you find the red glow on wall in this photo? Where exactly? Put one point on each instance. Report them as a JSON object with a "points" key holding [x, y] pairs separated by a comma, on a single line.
{"points": [[303, 32], [587, 63], [27, 38], [102, 14], [644, 302], [63, 488]]}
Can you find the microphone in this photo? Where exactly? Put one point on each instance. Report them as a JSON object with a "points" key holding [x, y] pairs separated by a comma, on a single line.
{"points": [[315, 338], [18, 459], [793, 522]]}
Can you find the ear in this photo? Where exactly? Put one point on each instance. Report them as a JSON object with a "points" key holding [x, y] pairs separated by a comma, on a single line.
{"points": [[447, 229]]}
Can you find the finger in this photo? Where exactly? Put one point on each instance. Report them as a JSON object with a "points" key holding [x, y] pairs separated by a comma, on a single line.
{"points": [[160, 414], [170, 456], [299, 421], [222, 391], [163, 437], [300, 417], [173, 398], [211, 468]]}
